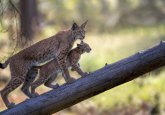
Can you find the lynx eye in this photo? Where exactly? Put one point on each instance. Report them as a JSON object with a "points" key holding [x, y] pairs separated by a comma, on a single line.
{"points": [[83, 32]]}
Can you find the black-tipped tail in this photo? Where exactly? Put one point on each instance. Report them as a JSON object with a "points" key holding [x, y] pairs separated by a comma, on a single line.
{"points": [[1, 66]]}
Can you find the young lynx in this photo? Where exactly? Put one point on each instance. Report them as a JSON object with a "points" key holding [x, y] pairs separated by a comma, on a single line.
{"points": [[50, 70], [56, 46]]}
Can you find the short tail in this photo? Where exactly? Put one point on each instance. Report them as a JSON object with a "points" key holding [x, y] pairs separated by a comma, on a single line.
{"points": [[4, 65], [1, 65]]}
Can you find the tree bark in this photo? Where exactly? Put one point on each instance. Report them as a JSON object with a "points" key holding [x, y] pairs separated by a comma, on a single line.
{"points": [[28, 18], [96, 82]]}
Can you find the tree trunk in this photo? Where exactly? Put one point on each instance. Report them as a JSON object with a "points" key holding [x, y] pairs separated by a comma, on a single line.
{"points": [[96, 82], [28, 19]]}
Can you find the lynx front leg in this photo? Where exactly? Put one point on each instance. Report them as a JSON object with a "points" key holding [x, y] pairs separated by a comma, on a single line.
{"points": [[66, 76], [78, 70], [77, 65], [49, 84], [61, 59]]}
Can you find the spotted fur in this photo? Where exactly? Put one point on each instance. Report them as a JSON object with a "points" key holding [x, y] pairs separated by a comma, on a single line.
{"points": [[50, 70], [56, 46]]}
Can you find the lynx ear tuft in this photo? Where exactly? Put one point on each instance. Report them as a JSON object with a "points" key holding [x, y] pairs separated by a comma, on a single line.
{"points": [[84, 24], [74, 26]]}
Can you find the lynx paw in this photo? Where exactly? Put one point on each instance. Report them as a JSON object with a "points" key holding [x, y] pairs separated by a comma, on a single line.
{"points": [[11, 105], [71, 80], [34, 95], [55, 86], [85, 74]]}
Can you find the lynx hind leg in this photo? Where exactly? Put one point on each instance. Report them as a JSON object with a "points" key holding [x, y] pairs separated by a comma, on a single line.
{"points": [[36, 84], [49, 84], [13, 84], [31, 75]]}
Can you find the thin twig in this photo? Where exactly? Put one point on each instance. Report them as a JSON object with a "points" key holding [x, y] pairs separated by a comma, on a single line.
{"points": [[13, 5]]}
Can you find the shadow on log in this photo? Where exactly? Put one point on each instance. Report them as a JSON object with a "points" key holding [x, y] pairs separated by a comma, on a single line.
{"points": [[96, 82]]}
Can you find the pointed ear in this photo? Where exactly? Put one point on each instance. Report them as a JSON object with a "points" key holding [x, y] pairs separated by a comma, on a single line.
{"points": [[74, 26], [84, 24]]}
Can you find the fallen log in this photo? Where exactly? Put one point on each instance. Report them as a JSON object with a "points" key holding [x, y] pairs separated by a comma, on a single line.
{"points": [[95, 83]]}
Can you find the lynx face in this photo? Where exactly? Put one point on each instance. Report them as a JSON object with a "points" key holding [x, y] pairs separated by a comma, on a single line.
{"points": [[78, 31], [84, 46]]}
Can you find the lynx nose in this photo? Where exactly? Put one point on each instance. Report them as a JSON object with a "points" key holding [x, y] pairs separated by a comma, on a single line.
{"points": [[89, 49]]}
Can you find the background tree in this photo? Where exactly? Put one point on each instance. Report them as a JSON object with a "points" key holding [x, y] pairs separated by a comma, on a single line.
{"points": [[29, 20]]}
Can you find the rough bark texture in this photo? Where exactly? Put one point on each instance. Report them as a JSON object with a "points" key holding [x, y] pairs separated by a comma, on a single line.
{"points": [[96, 82], [29, 19]]}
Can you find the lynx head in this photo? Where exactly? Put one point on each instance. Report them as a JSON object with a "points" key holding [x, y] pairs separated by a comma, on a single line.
{"points": [[78, 32], [84, 47]]}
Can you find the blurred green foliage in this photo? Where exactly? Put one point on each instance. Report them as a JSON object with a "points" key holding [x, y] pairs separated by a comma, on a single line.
{"points": [[103, 15]]}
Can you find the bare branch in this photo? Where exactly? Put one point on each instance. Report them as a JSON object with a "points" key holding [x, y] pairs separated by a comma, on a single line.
{"points": [[97, 82], [15, 8]]}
